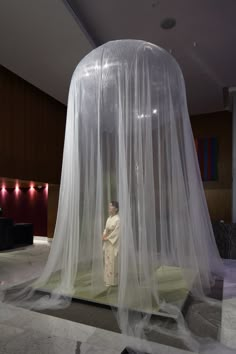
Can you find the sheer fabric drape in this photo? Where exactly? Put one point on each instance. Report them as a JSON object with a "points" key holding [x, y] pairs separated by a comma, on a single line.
{"points": [[128, 138]]}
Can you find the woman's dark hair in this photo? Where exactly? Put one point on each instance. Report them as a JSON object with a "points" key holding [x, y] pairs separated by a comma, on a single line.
{"points": [[115, 204]]}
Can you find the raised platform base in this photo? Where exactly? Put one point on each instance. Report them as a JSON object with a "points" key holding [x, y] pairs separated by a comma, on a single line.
{"points": [[172, 290]]}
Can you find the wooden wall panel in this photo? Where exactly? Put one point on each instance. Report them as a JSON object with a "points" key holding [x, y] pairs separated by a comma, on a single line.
{"points": [[219, 203], [32, 128], [218, 193]]}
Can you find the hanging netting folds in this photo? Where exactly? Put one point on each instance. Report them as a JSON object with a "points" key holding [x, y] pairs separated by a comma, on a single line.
{"points": [[128, 139]]}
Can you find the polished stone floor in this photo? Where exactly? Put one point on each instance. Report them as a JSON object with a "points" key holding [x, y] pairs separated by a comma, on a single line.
{"points": [[228, 324], [24, 331]]}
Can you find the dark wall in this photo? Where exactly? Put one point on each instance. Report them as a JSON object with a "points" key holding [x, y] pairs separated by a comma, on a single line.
{"points": [[218, 193], [53, 197], [32, 128], [26, 205]]}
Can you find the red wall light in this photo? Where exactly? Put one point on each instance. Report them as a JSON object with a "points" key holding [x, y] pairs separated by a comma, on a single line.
{"points": [[31, 188], [17, 190], [32, 193], [3, 192]]}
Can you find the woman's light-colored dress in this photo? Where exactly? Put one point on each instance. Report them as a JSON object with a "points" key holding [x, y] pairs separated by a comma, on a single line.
{"points": [[111, 249]]}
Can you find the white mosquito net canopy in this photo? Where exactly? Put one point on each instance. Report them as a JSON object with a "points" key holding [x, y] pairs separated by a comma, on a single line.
{"points": [[129, 139]]}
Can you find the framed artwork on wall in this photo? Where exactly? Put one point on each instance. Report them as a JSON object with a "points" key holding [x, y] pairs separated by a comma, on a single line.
{"points": [[208, 151]]}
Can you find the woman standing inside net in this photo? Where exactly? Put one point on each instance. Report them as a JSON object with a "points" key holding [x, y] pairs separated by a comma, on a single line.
{"points": [[110, 238]]}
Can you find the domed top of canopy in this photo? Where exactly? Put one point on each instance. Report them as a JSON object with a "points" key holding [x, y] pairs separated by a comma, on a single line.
{"points": [[144, 66]]}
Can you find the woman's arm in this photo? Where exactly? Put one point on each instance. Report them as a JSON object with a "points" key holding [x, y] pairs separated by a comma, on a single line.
{"points": [[114, 235], [105, 234]]}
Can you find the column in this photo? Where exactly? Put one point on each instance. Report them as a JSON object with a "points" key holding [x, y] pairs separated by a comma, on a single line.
{"points": [[233, 96]]}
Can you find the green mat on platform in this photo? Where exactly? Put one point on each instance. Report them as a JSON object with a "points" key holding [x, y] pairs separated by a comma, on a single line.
{"points": [[172, 289]]}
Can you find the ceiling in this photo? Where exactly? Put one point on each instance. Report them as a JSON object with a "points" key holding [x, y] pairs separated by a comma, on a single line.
{"points": [[203, 40], [42, 41]]}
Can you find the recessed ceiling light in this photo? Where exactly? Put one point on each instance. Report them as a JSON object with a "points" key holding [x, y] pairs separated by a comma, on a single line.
{"points": [[168, 23], [154, 3]]}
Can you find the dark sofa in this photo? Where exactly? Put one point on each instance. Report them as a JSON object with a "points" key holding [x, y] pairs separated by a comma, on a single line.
{"points": [[14, 235], [225, 236]]}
